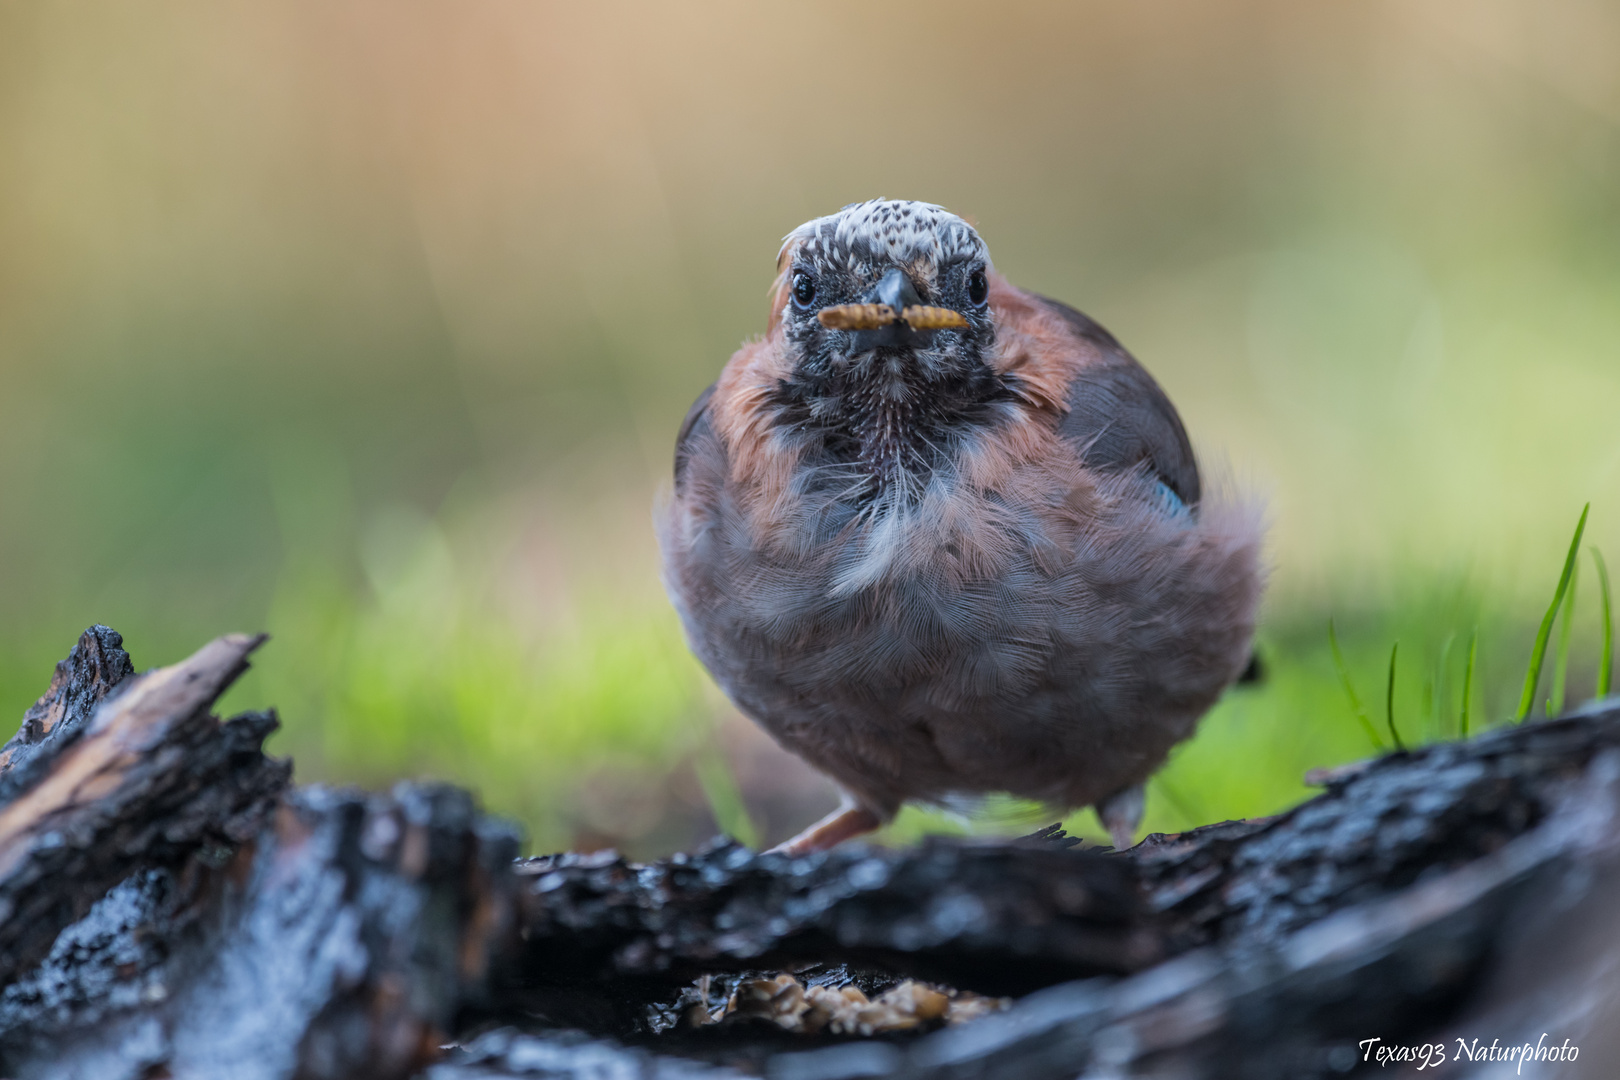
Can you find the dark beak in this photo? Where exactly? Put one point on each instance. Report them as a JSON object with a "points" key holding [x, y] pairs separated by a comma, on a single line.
{"points": [[896, 290]]}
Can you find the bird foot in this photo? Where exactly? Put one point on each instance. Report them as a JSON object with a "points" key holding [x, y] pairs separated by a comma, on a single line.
{"points": [[1121, 814], [846, 821]]}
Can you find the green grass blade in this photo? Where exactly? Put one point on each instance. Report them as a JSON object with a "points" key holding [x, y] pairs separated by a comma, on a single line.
{"points": [[725, 800], [1389, 701], [1606, 660], [1350, 690], [1555, 704], [1538, 652], [1468, 682], [1438, 706], [1426, 711]]}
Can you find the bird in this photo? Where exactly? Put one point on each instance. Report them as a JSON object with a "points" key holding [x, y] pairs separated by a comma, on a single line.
{"points": [[942, 537]]}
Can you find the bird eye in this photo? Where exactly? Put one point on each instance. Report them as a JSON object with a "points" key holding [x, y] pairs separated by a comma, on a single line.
{"points": [[804, 289], [978, 288]]}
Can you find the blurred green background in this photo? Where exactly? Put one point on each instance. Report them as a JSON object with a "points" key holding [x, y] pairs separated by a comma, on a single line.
{"points": [[371, 324]]}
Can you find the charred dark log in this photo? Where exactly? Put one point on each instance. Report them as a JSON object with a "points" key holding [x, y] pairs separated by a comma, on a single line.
{"points": [[1008, 918], [1373, 911], [90, 672], [343, 943], [1381, 826], [151, 779], [1394, 970], [1002, 918], [230, 927], [566, 1055]]}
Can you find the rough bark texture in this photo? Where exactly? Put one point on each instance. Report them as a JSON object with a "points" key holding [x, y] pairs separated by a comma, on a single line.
{"points": [[1002, 918], [96, 665], [344, 942], [1379, 828], [168, 908], [150, 780], [1400, 968]]}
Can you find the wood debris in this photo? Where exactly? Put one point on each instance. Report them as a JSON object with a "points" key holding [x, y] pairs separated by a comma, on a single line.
{"points": [[170, 907]]}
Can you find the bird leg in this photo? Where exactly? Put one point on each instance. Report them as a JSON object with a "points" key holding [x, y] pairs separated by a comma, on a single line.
{"points": [[846, 821], [1121, 813]]}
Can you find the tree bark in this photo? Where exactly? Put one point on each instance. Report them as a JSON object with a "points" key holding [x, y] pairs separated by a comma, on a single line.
{"points": [[146, 780], [89, 673], [169, 907]]}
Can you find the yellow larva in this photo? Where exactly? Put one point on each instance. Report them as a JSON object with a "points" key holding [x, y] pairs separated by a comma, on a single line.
{"points": [[933, 318], [856, 316], [876, 316]]}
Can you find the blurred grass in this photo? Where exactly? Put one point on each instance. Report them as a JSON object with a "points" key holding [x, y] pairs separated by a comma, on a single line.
{"points": [[428, 674], [575, 726], [371, 325]]}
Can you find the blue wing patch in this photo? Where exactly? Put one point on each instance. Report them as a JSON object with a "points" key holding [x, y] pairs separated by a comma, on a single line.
{"points": [[1168, 501]]}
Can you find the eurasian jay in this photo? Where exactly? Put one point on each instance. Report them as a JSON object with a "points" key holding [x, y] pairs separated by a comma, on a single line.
{"points": [[940, 536]]}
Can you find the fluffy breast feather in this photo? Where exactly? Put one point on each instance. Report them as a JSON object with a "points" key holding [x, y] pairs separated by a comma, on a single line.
{"points": [[1010, 629]]}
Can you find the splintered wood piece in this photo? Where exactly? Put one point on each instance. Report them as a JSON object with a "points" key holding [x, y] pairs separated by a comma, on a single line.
{"points": [[920, 317], [856, 316], [152, 778], [88, 674]]}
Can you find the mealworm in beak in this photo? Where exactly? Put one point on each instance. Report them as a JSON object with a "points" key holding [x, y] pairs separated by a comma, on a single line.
{"points": [[933, 318], [857, 316], [876, 316]]}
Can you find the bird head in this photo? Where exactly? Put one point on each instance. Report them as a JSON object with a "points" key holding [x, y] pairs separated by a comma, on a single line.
{"points": [[882, 278], [884, 313]]}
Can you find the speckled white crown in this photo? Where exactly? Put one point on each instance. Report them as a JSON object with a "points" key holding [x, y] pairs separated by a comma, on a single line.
{"points": [[896, 230]]}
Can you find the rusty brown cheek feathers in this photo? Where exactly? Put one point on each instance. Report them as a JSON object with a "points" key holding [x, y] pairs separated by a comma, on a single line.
{"points": [[968, 554]]}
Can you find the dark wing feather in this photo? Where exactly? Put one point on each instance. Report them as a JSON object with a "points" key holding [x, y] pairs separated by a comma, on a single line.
{"points": [[696, 415], [1119, 416]]}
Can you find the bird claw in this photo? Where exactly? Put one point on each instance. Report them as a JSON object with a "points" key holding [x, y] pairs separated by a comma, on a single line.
{"points": [[1121, 814]]}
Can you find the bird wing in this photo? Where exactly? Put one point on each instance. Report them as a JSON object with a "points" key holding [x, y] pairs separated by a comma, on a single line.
{"points": [[695, 416], [1120, 418]]}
